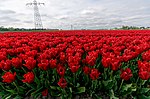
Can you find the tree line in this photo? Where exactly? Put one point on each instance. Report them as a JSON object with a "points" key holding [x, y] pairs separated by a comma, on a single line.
{"points": [[2, 28]]}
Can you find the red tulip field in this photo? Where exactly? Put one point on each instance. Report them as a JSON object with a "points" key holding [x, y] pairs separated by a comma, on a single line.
{"points": [[100, 64]]}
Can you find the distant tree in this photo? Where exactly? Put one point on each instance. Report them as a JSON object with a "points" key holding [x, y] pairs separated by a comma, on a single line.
{"points": [[131, 28]]}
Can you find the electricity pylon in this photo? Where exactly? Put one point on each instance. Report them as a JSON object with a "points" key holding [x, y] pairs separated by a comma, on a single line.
{"points": [[37, 17], [71, 27]]}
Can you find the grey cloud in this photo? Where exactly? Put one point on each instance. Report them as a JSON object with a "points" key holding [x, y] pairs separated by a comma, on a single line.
{"points": [[116, 22], [136, 17], [81, 13], [30, 22], [62, 17], [7, 12], [8, 19]]}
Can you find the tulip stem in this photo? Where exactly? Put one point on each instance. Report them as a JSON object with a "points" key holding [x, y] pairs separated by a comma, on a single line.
{"points": [[55, 73], [2, 86], [64, 94], [23, 69], [16, 86], [143, 82], [74, 75], [111, 74], [105, 75], [47, 74], [137, 80], [140, 84], [121, 84], [5, 71]]}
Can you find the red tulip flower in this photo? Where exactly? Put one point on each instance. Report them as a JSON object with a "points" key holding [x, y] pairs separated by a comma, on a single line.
{"points": [[28, 77], [5, 65], [126, 74], [145, 75], [45, 92], [86, 70], [9, 77], [53, 63], [62, 83], [61, 70], [74, 68], [44, 64], [30, 63], [106, 62], [146, 56], [115, 64], [16, 62], [2, 56], [94, 74]]}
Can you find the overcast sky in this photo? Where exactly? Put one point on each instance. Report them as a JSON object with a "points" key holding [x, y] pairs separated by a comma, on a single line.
{"points": [[82, 14]]}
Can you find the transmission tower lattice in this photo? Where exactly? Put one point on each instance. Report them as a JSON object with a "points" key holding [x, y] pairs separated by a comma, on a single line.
{"points": [[37, 17]]}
